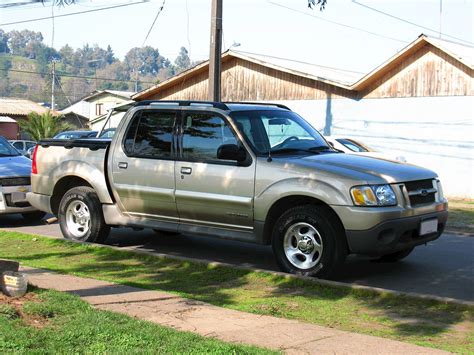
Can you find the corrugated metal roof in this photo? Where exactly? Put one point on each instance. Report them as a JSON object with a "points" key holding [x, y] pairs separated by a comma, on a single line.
{"points": [[13, 106], [318, 72], [5, 119], [459, 51]]}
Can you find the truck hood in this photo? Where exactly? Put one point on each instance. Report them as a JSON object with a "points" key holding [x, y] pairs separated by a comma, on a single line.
{"points": [[15, 166], [372, 170]]}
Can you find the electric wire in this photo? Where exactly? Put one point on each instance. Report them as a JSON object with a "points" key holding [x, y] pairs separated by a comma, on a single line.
{"points": [[338, 23], [409, 22], [74, 13], [153, 24]]}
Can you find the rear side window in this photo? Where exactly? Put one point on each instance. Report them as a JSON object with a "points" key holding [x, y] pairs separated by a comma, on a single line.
{"points": [[150, 135], [203, 135]]}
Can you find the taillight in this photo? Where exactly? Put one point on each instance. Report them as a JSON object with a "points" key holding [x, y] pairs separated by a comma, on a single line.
{"points": [[34, 168]]}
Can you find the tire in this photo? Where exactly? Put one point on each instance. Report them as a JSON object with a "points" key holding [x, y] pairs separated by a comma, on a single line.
{"points": [[394, 257], [35, 216], [319, 249], [80, 216]]}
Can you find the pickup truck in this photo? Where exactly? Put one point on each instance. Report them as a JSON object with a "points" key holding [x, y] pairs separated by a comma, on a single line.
{"points": [[242, 171]]}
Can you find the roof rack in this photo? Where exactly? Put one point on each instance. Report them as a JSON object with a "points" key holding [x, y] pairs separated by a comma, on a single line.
{"points": [[258, 103], [218, 105]]}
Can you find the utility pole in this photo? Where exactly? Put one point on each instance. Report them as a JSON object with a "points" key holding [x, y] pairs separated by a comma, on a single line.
{"points": [[53, 82], [214, 93]]}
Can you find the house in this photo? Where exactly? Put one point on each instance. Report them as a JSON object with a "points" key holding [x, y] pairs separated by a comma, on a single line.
{"points": [[418, 103], [14, 109], [96, 105]]}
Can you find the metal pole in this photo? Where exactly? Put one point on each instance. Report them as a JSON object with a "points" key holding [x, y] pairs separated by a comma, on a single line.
{"points": [[214, 93], [440, 16], [52, 83]]}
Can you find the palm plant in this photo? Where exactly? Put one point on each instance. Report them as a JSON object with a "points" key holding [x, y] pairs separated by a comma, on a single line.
{"points": [[40, 126]]}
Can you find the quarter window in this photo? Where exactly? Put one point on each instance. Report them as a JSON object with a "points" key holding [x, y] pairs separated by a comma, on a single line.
{"points": [[150, 135], [203, 135]]}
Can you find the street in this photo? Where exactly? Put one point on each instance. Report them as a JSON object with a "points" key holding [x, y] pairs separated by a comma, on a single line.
{"points": [[443, 268]]}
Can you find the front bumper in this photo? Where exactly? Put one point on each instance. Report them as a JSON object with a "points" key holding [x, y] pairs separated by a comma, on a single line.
{"points": [[13, 200], [394, 235]]}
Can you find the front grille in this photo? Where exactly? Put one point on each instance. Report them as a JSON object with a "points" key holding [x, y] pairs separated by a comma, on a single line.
{"points": [[421, 192], [17, 181]]}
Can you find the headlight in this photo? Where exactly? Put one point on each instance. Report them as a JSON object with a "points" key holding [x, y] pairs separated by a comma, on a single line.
{"points": [[376, 195]]}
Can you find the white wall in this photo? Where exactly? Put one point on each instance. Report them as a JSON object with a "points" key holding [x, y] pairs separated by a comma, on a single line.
{"points": [[433, 132]]}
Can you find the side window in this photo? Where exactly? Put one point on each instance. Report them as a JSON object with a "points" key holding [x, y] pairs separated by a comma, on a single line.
{"points": [[150, 135], [18, 145], [30, 145], [203, 135]]}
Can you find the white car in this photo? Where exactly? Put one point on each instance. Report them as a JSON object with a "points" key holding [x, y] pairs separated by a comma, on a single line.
{"points": [[352, 146]]}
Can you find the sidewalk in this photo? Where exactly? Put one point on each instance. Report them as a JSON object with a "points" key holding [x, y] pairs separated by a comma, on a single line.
{"points": [[169, 310]]}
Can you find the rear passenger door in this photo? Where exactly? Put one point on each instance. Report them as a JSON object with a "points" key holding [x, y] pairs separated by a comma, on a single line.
{"points": [[210, 191], [143, 166]]}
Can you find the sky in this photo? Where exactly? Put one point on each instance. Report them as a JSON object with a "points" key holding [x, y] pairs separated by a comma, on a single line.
{"points": [[346, 35]]}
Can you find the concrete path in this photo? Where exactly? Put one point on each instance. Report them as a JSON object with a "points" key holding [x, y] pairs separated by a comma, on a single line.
{"points": [[169, 310]]}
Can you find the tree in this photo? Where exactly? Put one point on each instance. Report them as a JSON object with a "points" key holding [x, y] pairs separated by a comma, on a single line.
{"points": [[42, 126], [109, 55], [321, 3], [4, 42], [183, 61], [22, 42]]}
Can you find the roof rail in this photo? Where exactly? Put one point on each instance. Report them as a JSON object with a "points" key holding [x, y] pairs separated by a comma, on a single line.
{"points": [[218, 105], [258, 103]]}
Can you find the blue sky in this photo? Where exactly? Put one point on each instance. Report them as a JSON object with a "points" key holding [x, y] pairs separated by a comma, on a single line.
{"points": [[284, 28]]}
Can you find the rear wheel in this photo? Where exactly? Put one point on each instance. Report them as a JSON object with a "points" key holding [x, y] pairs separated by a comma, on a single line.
{"points": [[394, 257], [35, 216], [307, 240], [80, 216]]}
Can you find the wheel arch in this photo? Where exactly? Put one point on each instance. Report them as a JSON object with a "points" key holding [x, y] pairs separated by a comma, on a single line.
{"points": [[287, 202], [62, 186]]}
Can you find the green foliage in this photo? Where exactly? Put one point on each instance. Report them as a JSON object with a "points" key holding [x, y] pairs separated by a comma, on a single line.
{"points": [[183, 61], [42, 126], [424, 322], [74, 327], [8, 312]]}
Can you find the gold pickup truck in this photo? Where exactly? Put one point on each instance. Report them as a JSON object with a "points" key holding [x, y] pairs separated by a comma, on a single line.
{"points": [[243, 171]]}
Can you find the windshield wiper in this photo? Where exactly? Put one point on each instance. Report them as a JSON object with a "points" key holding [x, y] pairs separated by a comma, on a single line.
{"points": [[319, 148]]}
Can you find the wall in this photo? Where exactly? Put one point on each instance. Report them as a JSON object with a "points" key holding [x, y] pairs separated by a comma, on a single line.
{"points": [[433, 132]]}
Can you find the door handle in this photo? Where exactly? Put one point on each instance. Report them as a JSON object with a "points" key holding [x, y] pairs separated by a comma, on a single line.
{"points": [[187, 171], [123, 165]]}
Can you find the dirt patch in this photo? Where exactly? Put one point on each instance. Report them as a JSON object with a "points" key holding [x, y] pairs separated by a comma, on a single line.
{"points": [[12, 308]]}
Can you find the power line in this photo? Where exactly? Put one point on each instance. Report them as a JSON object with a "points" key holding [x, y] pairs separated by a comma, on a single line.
{"points": [[73, 13], [68, 75], [153, 24], [338, 23], [409, 22], [69, 101]]}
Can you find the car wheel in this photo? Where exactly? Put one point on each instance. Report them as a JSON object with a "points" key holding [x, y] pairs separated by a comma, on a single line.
{"points": [[394, 257], [80, 216], [33, 216], [309, 240]]}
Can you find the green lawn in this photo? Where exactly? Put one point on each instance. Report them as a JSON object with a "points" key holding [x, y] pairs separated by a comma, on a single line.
{"points": [[55, 322], [427, 323], [461, 215]]}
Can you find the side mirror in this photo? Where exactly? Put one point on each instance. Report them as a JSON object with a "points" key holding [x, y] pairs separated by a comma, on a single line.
{"points": [[231, 152]]}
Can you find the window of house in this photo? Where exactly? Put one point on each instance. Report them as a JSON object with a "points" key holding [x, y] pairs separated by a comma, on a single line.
{"points": [[203, 135], [150, 135], [99, 109]]}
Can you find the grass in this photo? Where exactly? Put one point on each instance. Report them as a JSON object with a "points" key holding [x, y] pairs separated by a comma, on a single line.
{"points": [[461, 215], [422, 322], [55, 322]]}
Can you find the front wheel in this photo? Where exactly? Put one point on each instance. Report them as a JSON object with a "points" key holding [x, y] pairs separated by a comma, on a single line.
{"points": [[80, 216], [307, 241]]}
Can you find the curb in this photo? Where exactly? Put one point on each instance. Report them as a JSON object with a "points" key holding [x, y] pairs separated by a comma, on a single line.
{"points": [[322, 282], [461, 234]]}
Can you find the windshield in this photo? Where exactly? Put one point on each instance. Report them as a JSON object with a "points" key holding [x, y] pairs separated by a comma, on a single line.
{"points": [[278, 132], [6, 149]]}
